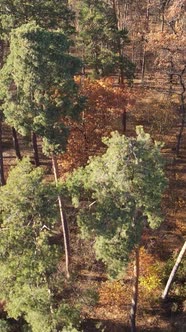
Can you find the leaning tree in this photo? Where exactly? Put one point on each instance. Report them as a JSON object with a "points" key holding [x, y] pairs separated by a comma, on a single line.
{"points": [[121, 193]]}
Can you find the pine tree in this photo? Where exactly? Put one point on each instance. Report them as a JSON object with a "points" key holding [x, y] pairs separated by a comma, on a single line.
{"points": [[102, 41], [121, 193], [39, 91], [28, 257], [50, 14]]}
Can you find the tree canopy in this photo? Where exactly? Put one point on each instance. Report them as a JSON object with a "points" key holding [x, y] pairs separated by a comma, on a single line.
{"points": [[28, 257], [121, 192], [38, 87], [48, 14]]}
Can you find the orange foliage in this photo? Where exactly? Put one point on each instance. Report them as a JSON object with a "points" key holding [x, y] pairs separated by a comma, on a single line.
{"points": [[105, 106], [114, 293]]}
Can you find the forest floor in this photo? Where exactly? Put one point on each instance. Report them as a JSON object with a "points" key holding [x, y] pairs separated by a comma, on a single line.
{"points": [[111, 313]]}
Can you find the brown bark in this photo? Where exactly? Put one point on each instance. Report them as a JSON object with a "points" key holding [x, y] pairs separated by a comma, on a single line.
{"points": [[124, 121], [35, 148], [64, 223], [121, 76], [135, 292], [2, 177], [183, 111], [143, 66], [16, 144]]}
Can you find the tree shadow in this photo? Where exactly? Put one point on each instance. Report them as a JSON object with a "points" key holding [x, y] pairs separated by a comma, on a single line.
{"points": [[91, 325]]}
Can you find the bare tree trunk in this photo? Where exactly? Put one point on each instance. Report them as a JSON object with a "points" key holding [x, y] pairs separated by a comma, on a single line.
{"points": [[124, 121], [64, 224], [143, 66], [2, 177], [173, 272], [183, 110], [171, 74], [135, 292], [16, 144], [35, 148], [163, 21], [121, 74]]}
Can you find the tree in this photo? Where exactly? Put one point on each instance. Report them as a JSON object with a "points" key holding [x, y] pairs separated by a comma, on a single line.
{"points": [[119, 193], [39, 91], [101, 40], [28, 257], [50, 14]]}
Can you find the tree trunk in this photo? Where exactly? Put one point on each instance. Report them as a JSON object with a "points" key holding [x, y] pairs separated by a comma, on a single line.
{"points": [[35, 148], [121, 70], [16, 144], [143, 66], [124, 121], [135, 291], [64, 224], [183, 110], [163, 21], [2, 179], [173, 272]]}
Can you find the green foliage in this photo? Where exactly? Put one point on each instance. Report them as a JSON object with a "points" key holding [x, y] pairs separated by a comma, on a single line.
{"points": [[66, 314], [47, 14], [90, 297], [121, 191], [101, 40], [4, 326], [70, 328], [27, 257], [37, 85]]}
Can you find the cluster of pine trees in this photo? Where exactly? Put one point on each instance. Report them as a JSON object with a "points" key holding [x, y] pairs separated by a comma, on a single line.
{"points": [[43, 46]]}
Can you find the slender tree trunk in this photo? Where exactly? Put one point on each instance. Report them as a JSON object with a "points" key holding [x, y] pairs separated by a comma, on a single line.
{"points": [[2, 177], [16, 144], [64, 224], [143, 66], [163, 21], [183, 111], [171, 74], [124, 121], [121, 74], [135, 291], [35, 148], [173, 272]]}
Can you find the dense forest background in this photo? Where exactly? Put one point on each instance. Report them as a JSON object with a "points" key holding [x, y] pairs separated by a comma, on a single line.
{"points": [[92, 165]]}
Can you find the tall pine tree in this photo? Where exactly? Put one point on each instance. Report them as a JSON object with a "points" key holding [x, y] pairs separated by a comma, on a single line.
{"points": [[121, 193], [39, 92]]}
